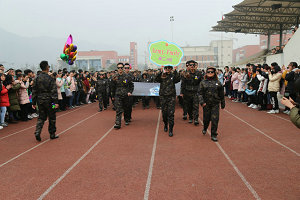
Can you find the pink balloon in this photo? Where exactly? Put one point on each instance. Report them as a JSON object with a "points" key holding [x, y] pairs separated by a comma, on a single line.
{"points": [[70, 40]]}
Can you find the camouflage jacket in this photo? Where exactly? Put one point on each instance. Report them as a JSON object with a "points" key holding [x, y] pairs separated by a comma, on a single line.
{"points": [[167, 83], [101, 86], [190, 82], [211, 92], [121, 85], [44, 89]]}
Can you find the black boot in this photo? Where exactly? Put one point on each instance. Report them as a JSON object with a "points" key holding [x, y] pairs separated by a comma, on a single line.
{"points": [[196, 122], [53, 136], [166, 128], [204, 131], [116, 126], [190, 121], [171, 131], [214, 138], [38, 137]]}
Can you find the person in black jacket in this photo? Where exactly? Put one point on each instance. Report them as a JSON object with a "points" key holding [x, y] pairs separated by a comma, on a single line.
{"points": [[121, 89], [44, 94], [290, 78], [167, 93], [211, 94], [101, 91]]}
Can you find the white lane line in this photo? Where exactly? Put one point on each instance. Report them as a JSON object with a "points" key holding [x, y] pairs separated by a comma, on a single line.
{"points": [[147, 189], [73, 166], [274, 115], [14, 158], [236, 169], [293, 151], [35, 125]]}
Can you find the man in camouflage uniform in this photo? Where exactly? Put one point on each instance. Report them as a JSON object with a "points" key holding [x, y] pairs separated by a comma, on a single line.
{"points": [[167, 93], [211, 94], [189, 88], [130, 78], [122, 88], [101, 91], [44, 94]]}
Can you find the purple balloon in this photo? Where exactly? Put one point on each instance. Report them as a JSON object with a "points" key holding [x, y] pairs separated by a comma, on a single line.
{"points": [[74, 48], [70, 62]]}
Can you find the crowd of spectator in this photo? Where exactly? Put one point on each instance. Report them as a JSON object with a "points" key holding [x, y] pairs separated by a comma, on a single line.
{"points": [[259, 86]]}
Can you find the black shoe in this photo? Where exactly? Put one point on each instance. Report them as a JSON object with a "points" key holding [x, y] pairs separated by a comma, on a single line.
{"points": [[105, 108], [204, 132], [117, 126], [166, 128], [190, 121], [100, 110], [171, 133], [127, 123], [214, 138], [38, 137], [184, 117], [196, 122], [53, 136]]}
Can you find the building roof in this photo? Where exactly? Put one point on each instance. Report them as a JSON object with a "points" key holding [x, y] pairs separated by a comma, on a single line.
{"points": [[261, 17]]}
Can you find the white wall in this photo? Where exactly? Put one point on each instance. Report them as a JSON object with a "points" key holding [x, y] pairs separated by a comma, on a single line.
{"points": [[291, 52], [292, 49]]}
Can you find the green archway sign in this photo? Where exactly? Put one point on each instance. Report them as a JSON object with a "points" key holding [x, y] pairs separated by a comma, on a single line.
{"points": [[163, 53]]}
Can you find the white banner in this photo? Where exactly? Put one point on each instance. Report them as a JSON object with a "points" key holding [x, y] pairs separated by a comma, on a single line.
{"points": [[150, 89]]}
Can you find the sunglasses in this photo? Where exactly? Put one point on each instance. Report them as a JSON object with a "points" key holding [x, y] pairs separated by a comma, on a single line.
{"points": [[120, 67], [210, 72], [191, 65], [127, 67]]}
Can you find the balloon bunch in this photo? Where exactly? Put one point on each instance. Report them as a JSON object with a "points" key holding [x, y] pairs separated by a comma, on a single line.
{"points": [[69, 52]]}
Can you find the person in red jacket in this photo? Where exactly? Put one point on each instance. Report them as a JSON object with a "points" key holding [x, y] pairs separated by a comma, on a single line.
{"points": [[4, 100]]}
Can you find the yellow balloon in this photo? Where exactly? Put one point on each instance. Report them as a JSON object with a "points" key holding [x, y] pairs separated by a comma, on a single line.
{"points": [[71, 46], [74, 58], [75, 52], [67, 51]]}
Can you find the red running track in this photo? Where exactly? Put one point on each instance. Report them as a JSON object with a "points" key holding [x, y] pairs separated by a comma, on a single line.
{"points": [[257, 157]]}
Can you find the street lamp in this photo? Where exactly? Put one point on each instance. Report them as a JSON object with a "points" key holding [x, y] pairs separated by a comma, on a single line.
{"points": [[172, 20]]}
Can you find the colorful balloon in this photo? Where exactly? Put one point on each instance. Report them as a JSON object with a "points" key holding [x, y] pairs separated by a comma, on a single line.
{"points": [[74, 47], [63, 56], [69, 52], [70, 40], [71, 46], [74, 58]]}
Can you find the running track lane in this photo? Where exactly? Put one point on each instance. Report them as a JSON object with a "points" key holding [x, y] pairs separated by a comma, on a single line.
{"points": [[272, 170], [16, 144], [190, 166], [281, 130], [117, 168], [30, 175], [19, 127]]}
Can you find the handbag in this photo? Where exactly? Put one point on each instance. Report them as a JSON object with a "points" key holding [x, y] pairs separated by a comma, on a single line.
{"points": [[68, 92]]}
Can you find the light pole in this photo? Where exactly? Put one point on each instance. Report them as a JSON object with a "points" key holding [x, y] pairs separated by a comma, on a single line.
{"points": [[172, 20]]}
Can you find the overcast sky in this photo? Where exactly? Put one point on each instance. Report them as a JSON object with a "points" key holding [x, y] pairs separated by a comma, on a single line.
{"points": [[117, 22]]}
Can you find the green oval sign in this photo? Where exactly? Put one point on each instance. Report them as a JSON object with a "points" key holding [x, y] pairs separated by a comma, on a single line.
{"points": [[165, 53]]}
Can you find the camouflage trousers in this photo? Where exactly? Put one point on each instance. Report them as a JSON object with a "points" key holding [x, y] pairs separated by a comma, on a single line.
{"points": [[191, 105], [102, 100], [128, 110], [46, 111], [168, 109], [211, 114], [121, 105]]}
